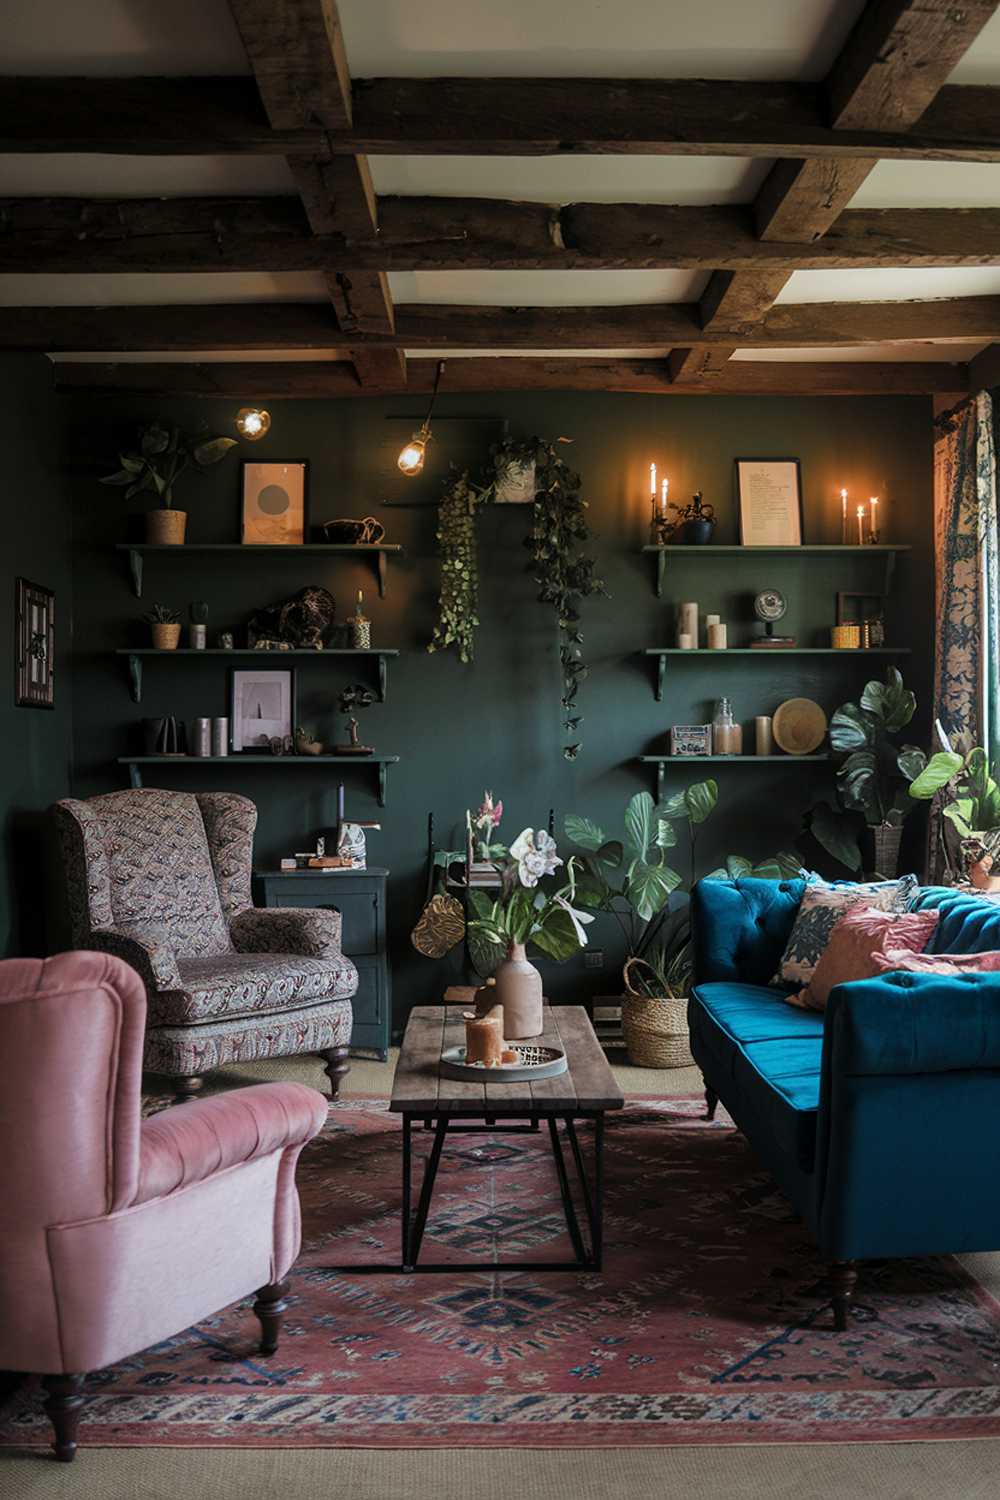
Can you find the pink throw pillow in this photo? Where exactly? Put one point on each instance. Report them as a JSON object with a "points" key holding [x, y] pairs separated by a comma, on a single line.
{"points": [[935, 963], [854, 941]]}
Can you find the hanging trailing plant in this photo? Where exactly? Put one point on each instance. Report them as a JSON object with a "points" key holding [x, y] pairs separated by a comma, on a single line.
{"points": [[565, 574]]}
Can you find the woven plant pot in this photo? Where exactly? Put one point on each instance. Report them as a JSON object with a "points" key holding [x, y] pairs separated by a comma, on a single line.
{"points": [[885, 849], [165, 636], [655, 1027], [165, 526]]}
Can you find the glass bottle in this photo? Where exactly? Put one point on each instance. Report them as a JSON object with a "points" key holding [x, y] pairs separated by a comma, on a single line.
{"points": [[727, 735], [361, 626]]}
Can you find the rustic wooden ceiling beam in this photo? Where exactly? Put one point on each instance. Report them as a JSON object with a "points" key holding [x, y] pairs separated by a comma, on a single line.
{"points": [[272, 234], [296, 49], [325, 379], [313, 325], [984, 370], [479, 117]]}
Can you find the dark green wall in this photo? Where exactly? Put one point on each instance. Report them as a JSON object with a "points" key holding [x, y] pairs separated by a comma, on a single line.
{"points": [[497, 723], [35, 744]]}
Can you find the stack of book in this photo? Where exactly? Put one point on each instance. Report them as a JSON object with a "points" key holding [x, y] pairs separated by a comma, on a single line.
{"points": [[607, 1018]]}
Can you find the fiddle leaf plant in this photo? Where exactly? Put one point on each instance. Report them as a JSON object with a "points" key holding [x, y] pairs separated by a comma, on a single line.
{"points": [[163, 454], [975, 807]]}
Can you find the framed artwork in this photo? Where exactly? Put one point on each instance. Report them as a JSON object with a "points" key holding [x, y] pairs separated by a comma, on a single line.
{"points": [[690, 739], [273, 509], [769, 492], [34, 645], [853, 609], [262, 708]]}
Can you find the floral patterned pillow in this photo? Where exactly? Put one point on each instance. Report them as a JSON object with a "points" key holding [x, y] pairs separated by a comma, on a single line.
{"points": [[822, 906]]}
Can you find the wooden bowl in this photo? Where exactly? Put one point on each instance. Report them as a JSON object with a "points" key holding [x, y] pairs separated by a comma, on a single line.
{"points": [[798, 726]]}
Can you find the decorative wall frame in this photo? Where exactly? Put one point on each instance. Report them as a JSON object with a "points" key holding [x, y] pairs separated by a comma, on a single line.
{"points": [[769, 495], [34, 645], [273, 503], [262, 707]]}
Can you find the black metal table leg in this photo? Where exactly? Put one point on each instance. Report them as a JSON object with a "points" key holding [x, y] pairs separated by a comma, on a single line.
{"points": [[572, 1223], [426, 1189], [407, 1153], [598, 1223]]}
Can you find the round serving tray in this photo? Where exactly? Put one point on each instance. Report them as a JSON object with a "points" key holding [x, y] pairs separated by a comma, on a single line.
{"points": [[535, 1062]]}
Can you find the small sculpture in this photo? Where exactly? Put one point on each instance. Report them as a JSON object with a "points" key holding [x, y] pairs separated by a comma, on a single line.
{"points": [[306, 743], [355, 697]]}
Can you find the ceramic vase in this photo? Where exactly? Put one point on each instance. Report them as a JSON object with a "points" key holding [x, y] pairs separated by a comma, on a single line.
{"points": [[519, 991]]}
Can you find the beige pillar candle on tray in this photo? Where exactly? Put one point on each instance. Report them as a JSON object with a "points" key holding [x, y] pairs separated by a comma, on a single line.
{"points": [[687, 621], [484, 1038], [717, 637], [763, 738]]}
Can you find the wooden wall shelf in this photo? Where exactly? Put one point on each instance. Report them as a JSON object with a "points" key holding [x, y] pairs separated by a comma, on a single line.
{"points": [[377, 552], [276, 762], [136, 656], [887, 551]]}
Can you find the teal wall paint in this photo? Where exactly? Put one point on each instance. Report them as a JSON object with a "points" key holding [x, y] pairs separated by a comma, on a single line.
{"points": [[35, 744], [497, 723]]}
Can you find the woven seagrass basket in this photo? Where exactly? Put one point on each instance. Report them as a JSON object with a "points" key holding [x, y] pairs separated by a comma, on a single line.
{"points": [[655, 1027]]}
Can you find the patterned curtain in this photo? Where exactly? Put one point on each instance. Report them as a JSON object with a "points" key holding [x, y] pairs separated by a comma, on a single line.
{"points": [[967, 641]]}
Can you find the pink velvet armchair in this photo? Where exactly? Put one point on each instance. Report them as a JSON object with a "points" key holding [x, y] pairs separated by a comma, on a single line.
{"points": [[98, 1205]]}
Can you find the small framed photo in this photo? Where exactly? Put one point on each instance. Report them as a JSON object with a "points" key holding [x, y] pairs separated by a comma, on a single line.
{"points": [[854, 609], [34, 645], [262, 708], [690, 739], [273, 509], [769, 491]]}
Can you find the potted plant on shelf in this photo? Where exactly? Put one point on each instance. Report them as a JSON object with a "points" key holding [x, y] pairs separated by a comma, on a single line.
{"points": [[165, 627], [631, 880], [163, 454], [873, 780], [694, 523], [973, 812], [530, 909]]}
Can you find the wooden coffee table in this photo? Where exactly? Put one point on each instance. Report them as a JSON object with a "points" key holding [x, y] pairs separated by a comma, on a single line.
{"points": [[449, 1106]]}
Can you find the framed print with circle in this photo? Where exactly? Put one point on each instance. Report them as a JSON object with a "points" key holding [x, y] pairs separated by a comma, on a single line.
{"points": [[274, 504]]}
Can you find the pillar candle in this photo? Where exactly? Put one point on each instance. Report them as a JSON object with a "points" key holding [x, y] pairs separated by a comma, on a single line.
{"points": [[484, 1038], [684, 641], [717, 637], [687, 621], [763, 738]]}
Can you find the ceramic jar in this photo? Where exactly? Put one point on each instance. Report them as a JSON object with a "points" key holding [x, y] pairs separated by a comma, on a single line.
{"points": [[519, 991]]}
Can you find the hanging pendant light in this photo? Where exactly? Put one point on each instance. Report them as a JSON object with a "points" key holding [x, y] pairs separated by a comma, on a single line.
{"points": [[411, 459]]}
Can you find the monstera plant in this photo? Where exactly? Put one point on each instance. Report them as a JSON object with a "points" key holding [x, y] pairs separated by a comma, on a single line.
{"points": [[874, 777]]}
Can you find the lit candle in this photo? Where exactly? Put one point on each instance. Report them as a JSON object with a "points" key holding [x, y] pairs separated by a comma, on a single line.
{"points": [[873, 518], [664, 490], [861, 524], [652, 481], [843, 515]]}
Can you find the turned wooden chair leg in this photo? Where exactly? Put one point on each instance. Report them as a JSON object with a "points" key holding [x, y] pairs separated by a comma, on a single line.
{"points": [[186, 1088], [63, 1400], [269, 1308], [336, 1067], [843, 1275], [711, 1102]]}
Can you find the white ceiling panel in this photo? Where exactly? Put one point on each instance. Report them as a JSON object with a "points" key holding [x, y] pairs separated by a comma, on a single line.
{"points": [[143, 176], [866, 354], [930, 184], [120, 38], [573, 179], [981, 64], [131, 290], [547, 288], [596, 38], [880, 284]]}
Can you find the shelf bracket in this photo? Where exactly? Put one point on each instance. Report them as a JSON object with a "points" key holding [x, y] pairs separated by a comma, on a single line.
{"points": [[383, 782], [383, 678], [890, 570], [661, 776], [661, 673], [135, 568], [382, 571], [661, 572], [135, 677], [134, 776]]}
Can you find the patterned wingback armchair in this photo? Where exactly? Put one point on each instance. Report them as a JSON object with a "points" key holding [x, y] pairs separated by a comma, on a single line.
{"points": [[163, 880]]}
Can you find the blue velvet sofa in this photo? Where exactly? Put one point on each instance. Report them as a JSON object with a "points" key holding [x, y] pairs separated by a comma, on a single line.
{"points": [[880, 1119]]}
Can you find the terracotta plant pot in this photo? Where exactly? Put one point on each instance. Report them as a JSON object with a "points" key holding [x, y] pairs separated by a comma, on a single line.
{"points": [[165, 527], [519, 991], [166, 636]]}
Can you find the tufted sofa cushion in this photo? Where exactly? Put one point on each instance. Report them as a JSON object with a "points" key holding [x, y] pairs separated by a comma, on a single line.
{"points": [[740, 927], [969, 923]]}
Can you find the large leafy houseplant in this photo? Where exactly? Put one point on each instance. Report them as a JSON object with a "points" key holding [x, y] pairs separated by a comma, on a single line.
{"points": [[162, 455], [631, 879], [532, 907], [874, 777], [973, 809]]}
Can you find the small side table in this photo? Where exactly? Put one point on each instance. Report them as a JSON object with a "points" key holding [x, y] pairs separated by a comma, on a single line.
{"points": [[360, 897]]}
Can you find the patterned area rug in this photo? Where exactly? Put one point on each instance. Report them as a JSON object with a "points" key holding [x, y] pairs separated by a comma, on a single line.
{"points": [[709, 1324]]}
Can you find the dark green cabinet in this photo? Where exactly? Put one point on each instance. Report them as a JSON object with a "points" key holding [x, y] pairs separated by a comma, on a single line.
{"points": [[359, 896]]}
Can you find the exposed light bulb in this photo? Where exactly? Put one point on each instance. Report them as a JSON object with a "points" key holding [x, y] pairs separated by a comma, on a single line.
{"points": [[252, 423], [411, 459]]}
